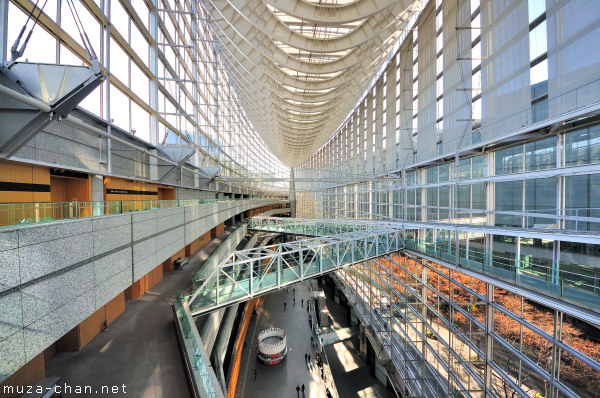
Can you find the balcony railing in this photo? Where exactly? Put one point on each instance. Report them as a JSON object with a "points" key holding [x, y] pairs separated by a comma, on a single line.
{"points": [[31, 213]]}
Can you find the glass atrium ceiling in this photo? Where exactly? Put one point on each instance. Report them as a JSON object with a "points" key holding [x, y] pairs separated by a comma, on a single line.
{"points": [[301, 66]]}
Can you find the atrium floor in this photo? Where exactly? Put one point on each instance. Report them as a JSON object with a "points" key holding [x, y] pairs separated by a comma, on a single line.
{"points": [[280, 380]]}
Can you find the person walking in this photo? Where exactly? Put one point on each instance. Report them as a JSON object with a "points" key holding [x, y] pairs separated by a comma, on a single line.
{"points": [[302, 303], [298, 389], [294, 301], [312, 341], [306, 357], [255, 374], [303, 388], [294, 291], [284, 305]]}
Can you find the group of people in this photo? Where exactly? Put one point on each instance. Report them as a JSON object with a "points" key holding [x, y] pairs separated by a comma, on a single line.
{"points": [[307, 358], [294, 301]]}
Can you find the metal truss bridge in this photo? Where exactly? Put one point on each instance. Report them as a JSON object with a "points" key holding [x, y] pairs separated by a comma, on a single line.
{"points": [[248, 273], [440, 241], [336, 243]]}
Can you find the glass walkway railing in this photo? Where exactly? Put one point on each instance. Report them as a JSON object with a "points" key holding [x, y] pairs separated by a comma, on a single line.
{"points": [[252, 272], [12, 214], [198, 362], [310, 227], [577, 283]]}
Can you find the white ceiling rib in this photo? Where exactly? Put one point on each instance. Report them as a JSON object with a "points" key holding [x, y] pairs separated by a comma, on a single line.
{"points": [[300, 66]]}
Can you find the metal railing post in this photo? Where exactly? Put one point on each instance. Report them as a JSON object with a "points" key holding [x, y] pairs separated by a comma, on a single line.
{"points": [[252, 277], [279, 271], [321, 260], [217, 287], [301, 265]]}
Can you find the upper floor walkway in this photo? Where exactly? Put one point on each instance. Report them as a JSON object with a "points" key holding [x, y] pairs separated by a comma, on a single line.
{"points": [[16, 214], [545, 272], [338, 243], [252, 272]]}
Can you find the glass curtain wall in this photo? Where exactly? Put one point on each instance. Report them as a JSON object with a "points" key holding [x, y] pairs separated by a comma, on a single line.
{"points": [[166, 81]]}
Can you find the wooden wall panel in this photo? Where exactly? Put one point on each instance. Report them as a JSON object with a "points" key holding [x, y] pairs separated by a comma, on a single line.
{"points": [[157, 275], [133, 291], [170, 260], [220, 228], [50, 351], [90, 327], [22, 172], [167, 265], [57, 190], [115, 307], [77, 189], [143, 284], [69, 342], [129, 185], [25, 174], [166, 193]]}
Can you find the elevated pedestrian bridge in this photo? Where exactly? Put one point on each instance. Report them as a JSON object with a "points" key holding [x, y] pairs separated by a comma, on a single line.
{"points": [[336, 243], [248, 273], [440, 241]]}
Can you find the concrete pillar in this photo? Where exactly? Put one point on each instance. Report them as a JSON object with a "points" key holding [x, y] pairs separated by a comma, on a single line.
{"points": [[292, 196], [153, 166], [97, 186]]}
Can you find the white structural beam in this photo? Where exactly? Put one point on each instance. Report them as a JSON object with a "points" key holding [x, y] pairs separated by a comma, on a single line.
{"points": [[252, 272], [333, 15], [299, 78]]}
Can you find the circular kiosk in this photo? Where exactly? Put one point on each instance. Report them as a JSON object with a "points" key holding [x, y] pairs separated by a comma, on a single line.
{"points": [[272, 346]]}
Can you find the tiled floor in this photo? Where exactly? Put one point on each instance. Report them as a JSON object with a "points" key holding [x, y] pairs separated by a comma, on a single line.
{"points": [[140, 348], [280, 380], [339, 313], [351, 374]]}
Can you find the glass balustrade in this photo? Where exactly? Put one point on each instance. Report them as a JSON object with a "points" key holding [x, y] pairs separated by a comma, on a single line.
{"points": [[577, 282], [198, 363], [12, 214], [256, 271]]}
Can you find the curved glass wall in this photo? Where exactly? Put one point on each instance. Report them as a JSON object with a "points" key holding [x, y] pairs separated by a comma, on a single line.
{"points": [[166, 82]]}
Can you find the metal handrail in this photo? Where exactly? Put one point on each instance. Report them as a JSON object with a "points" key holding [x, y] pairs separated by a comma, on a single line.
{"points": [[13, 214], [399, 210]]}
